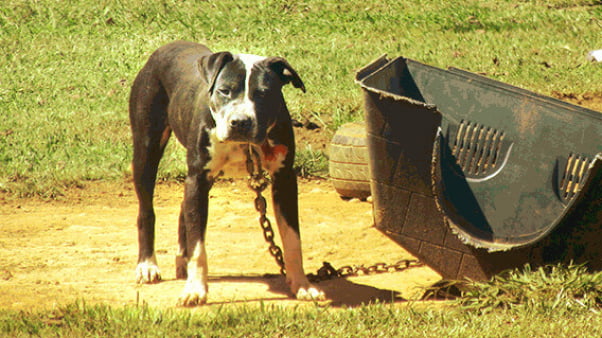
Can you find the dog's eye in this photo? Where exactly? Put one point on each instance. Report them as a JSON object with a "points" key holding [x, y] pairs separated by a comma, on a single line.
{"points": [[226, 92]]}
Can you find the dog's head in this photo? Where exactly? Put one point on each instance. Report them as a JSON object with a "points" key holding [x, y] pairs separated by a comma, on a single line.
{"points": [[245, 96]]}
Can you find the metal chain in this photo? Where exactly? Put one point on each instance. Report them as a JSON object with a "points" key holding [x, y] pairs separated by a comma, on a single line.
{"points": [[258, 181], [327, 271]]}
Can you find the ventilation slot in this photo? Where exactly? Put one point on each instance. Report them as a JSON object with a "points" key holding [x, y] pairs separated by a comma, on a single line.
{"points": [[572, 180], [478, 149]]}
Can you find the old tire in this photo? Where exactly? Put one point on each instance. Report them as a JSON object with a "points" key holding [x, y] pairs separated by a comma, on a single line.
{"points": [[348, 164]]}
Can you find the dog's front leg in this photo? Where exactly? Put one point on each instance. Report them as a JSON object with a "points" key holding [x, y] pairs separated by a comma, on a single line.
{"points": [[182, 257], [285, 199], [194, 214]]}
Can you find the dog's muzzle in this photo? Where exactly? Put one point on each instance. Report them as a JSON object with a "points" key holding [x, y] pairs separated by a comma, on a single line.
{"points": [[238, 127], [242, 129]]}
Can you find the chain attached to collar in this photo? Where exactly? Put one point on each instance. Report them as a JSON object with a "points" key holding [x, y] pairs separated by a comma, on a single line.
{"points": [[258, 181]]}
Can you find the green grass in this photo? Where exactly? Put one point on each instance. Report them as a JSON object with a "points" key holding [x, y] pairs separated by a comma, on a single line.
{"points": [[554, 288], [311, 162], [276, 321], [67, 66], [552, 301]]}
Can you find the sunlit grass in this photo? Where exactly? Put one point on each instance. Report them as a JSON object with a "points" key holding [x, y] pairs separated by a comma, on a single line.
{"points": [[525, 318], [67, 66], [554, 288]]}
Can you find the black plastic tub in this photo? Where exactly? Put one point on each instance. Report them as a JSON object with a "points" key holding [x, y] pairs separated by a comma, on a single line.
{"points": [[474, 176]]}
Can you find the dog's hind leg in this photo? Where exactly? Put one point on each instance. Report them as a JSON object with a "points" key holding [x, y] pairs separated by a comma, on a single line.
{"points": [[150, 131]]}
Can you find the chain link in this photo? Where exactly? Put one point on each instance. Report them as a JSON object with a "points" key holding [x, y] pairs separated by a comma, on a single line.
{"points": [[258, 181], [327, 271]]}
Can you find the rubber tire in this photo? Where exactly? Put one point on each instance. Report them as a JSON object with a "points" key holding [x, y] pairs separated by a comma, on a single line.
{"points": [[348, 163]]}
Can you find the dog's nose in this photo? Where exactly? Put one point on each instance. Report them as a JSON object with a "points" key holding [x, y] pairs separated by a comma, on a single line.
{"points": [[242, 126]]}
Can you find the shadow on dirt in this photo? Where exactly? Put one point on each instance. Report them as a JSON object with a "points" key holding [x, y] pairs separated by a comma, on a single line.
{"points": [[340, 292]]}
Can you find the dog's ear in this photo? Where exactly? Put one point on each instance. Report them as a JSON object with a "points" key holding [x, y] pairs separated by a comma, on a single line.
{"points": [[286, 72], [210, 66]]}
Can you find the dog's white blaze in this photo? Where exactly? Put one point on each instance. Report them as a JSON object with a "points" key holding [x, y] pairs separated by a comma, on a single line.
{"points": [[249, 60]]}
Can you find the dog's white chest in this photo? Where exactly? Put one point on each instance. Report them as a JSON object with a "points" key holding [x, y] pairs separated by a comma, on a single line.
{"points": [[230, 158]]}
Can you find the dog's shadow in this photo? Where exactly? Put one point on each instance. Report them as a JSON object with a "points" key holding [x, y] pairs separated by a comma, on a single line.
{"points": [[340, 292]]}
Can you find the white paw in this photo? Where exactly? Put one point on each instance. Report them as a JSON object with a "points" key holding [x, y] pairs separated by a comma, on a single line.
{"points": [[147, 272], [194, 294], [310, 293]]}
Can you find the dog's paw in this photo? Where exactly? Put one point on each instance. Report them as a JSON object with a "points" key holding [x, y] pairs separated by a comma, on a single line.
{"points": [[310, 293], [194, 294], [147, 272]]}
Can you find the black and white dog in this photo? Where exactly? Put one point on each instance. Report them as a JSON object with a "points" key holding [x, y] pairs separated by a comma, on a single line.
{"points": [[218, 105]]}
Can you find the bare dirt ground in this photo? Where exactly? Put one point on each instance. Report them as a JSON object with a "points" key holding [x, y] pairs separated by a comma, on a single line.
{"points": [[84, 246], [588, 100]]}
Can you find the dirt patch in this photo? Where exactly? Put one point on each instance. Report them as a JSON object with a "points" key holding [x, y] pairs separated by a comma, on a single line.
{"points": [[83, 246], [588, 100], [312, 134]]}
